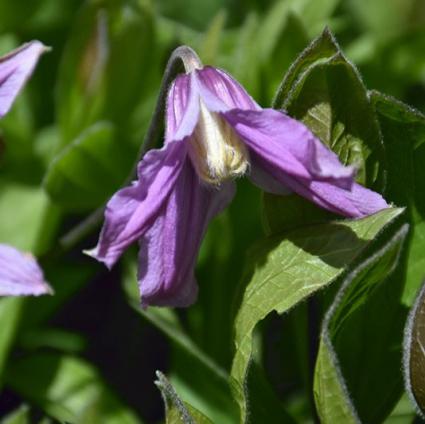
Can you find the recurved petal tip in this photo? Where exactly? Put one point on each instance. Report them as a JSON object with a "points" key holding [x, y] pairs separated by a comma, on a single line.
{"points": [[284, 151], [108, 261], [20, 274], [15, 69]]}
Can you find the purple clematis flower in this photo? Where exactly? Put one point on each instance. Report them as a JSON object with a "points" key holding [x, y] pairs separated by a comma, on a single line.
{"points": [[20, 274], [215, 132], [15, 69]]}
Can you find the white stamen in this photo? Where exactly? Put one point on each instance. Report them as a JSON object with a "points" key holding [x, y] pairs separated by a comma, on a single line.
{"points": [[215, 149]]}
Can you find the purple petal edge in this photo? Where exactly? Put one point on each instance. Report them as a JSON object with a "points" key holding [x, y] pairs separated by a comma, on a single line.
{"points": [[132, 210], [182, 108], [283, 150], [20, 274], [15, 69], [221, 92]]}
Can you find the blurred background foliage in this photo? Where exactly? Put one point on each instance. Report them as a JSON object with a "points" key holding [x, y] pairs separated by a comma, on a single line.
{"points": [[89, 354]]}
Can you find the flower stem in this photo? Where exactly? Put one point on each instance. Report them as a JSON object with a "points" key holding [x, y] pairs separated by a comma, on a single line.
{"points": [[182, 57]]}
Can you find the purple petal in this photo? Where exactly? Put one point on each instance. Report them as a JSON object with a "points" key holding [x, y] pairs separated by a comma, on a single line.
{"points": [[262, 178], [15, 68], [287, 151], [357, 201], [169, 249], [182, 108], [220, 92], [20, 274], [132, 210], [271, 139], [284, 140]]}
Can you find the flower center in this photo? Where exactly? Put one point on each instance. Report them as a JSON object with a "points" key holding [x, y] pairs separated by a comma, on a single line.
{"points": [[216, 151]]}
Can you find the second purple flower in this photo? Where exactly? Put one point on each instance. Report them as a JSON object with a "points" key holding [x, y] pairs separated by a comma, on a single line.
{"points": [[215, 132]]}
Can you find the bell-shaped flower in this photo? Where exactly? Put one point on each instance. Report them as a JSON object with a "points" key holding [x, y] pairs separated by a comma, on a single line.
{"points": [[20, 274], [15, 69], [215, 132]]}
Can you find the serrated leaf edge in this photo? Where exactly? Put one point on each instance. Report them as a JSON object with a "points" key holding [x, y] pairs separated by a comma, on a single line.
{"points": [[240, 391]]}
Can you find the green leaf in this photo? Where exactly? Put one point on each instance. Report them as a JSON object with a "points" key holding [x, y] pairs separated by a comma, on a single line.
{"points": [[332, 400], [332, 394], [402, 413], [272, 28], [277, 58], [167, 321], [414, 353], [325, 91], [58, 339], [10, 312], [89, 170], [283, 213], [190, 13], [32, 226], [19, 416], [192, 366], [242, 61], [283, 272], [403, 129], [315, 15], [16, 15], [108, 65], [384, 19], [209, 47], [177, 411], [46, 144], [67, 388], [310, 15]]}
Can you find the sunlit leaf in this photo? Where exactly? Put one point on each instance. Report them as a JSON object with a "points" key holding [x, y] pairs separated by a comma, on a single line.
{"points": [[284, 271], [325, 91], [402, 413], [28, 228], [67, 389]]}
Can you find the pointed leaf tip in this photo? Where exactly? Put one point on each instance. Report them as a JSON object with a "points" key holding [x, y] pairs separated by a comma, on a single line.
{"points": [[177, 411]]}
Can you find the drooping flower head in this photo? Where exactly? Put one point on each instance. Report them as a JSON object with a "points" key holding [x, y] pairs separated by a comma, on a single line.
{"points": [[215, 132], [19, 272]]}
